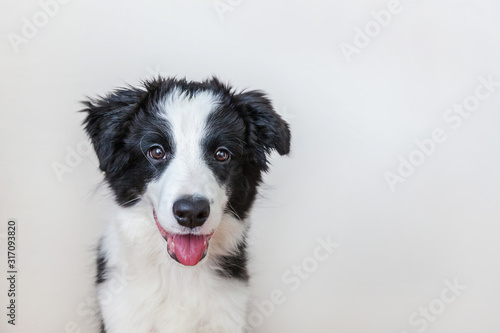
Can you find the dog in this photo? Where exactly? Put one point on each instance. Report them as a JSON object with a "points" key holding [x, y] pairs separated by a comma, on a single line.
{"points": [[183, 161]]}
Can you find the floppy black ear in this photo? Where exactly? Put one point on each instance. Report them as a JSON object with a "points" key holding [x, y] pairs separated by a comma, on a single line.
{"points": [[106, 122], [266, 129]]}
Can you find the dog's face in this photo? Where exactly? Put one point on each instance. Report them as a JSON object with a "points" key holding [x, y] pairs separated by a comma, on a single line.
{"points": [[191, 152]]}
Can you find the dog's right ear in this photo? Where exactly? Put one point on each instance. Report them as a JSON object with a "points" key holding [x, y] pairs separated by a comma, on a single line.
{"points": [[106, 121]]}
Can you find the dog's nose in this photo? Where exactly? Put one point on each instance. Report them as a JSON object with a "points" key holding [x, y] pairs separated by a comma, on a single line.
{"points": [[191, 211]]}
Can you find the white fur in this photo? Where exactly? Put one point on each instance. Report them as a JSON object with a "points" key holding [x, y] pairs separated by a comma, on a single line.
{"points": [[159, 294], [187, 173]]}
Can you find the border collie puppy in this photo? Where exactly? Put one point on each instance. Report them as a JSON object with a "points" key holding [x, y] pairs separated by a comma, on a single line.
{"points": [[183, 160]]}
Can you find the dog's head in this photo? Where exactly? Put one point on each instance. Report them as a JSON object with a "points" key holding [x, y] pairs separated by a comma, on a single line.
{"points": [[191, 152]]}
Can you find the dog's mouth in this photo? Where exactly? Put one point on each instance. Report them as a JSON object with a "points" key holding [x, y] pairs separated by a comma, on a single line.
{"points": [[186, 249]]}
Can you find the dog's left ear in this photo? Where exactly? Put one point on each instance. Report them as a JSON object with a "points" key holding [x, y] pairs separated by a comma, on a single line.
{"points": [[267, 131], [106, 122]]}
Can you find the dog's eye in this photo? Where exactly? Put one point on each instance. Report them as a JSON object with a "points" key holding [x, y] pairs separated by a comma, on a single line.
{"points": [[156, 153], [222, 155]]}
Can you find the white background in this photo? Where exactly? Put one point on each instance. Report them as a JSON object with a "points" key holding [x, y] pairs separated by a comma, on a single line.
{"points": [[351, 122]]}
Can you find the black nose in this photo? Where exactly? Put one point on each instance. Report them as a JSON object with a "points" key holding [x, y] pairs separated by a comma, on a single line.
{"points": [[191, 211]]}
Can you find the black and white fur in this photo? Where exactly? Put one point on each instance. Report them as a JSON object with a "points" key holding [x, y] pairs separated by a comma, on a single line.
{"points": [[190, 122]]}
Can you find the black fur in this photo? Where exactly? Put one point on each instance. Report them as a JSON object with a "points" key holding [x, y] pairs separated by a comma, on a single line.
{"points": [[102, 328], [101, 262], [234, 266], [124, 124], [101, 276], [244, 122]]}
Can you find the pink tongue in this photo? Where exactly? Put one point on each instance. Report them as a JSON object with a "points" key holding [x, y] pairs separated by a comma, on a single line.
{"points": [[189, 248]]}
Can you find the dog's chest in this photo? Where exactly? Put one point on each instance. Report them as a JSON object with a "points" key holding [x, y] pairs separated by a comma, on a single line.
{"points": [[173, 299]]}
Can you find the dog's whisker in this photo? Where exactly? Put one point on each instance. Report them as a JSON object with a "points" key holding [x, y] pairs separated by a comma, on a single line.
{"points": [[142, 151], [130, 201], [231, 208]]}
